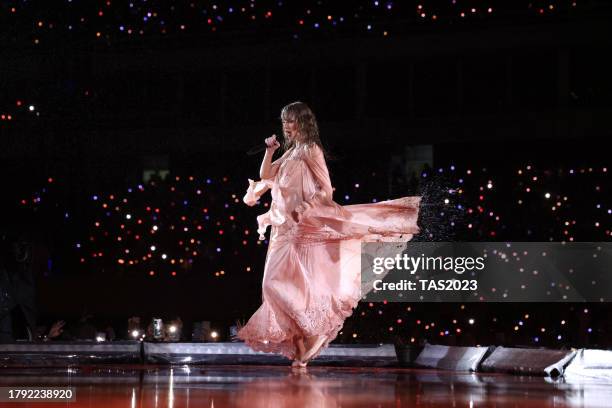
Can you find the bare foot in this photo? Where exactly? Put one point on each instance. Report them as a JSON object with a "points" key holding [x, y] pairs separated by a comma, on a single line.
{"points": [[299, 352], [298, 364], [315, 346], [300, 348]]}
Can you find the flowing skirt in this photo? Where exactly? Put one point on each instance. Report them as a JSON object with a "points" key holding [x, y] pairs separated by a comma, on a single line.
{"points": [[312, 274]]}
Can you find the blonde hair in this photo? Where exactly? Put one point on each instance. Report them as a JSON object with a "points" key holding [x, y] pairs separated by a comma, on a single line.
{"points": [[306, 123]]}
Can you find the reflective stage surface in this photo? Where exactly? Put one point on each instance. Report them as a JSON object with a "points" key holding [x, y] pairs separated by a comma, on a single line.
{"points": [[272, 386]]}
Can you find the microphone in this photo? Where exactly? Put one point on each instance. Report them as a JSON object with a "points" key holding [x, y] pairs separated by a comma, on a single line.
{"points": [[257, 149]]}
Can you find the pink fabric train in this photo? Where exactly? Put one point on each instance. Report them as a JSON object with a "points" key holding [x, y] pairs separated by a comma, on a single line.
{"points": [[312, 274]]}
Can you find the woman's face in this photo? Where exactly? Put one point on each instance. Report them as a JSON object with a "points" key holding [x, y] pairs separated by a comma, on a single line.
{"points": [[290, 129]]}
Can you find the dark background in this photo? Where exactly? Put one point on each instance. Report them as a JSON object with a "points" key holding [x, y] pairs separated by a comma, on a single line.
{"points": [[495, 92]]}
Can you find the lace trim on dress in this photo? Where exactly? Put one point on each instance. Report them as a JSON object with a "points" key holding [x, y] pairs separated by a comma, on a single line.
{"points": [[322, 317]]}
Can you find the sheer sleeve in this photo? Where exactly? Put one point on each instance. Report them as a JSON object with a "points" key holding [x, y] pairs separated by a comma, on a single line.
{"points": [[258, 188], [315, 161], [255, 190], [320, 203]]}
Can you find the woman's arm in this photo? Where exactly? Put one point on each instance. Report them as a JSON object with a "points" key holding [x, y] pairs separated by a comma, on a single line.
{"points": [[267, 170]]}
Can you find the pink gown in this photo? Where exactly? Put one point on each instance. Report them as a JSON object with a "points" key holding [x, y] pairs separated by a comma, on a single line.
{"points": [[312, 273]]}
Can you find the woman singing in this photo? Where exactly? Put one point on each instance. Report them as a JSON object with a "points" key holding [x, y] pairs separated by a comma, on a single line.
{"points": [[312, 275]]}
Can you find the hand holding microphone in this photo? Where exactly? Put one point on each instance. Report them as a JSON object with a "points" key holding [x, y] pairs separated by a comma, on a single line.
{"points": [[270, 144]]}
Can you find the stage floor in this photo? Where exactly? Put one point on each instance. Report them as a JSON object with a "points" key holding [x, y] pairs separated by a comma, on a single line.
{"points": [[273, 386]]}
